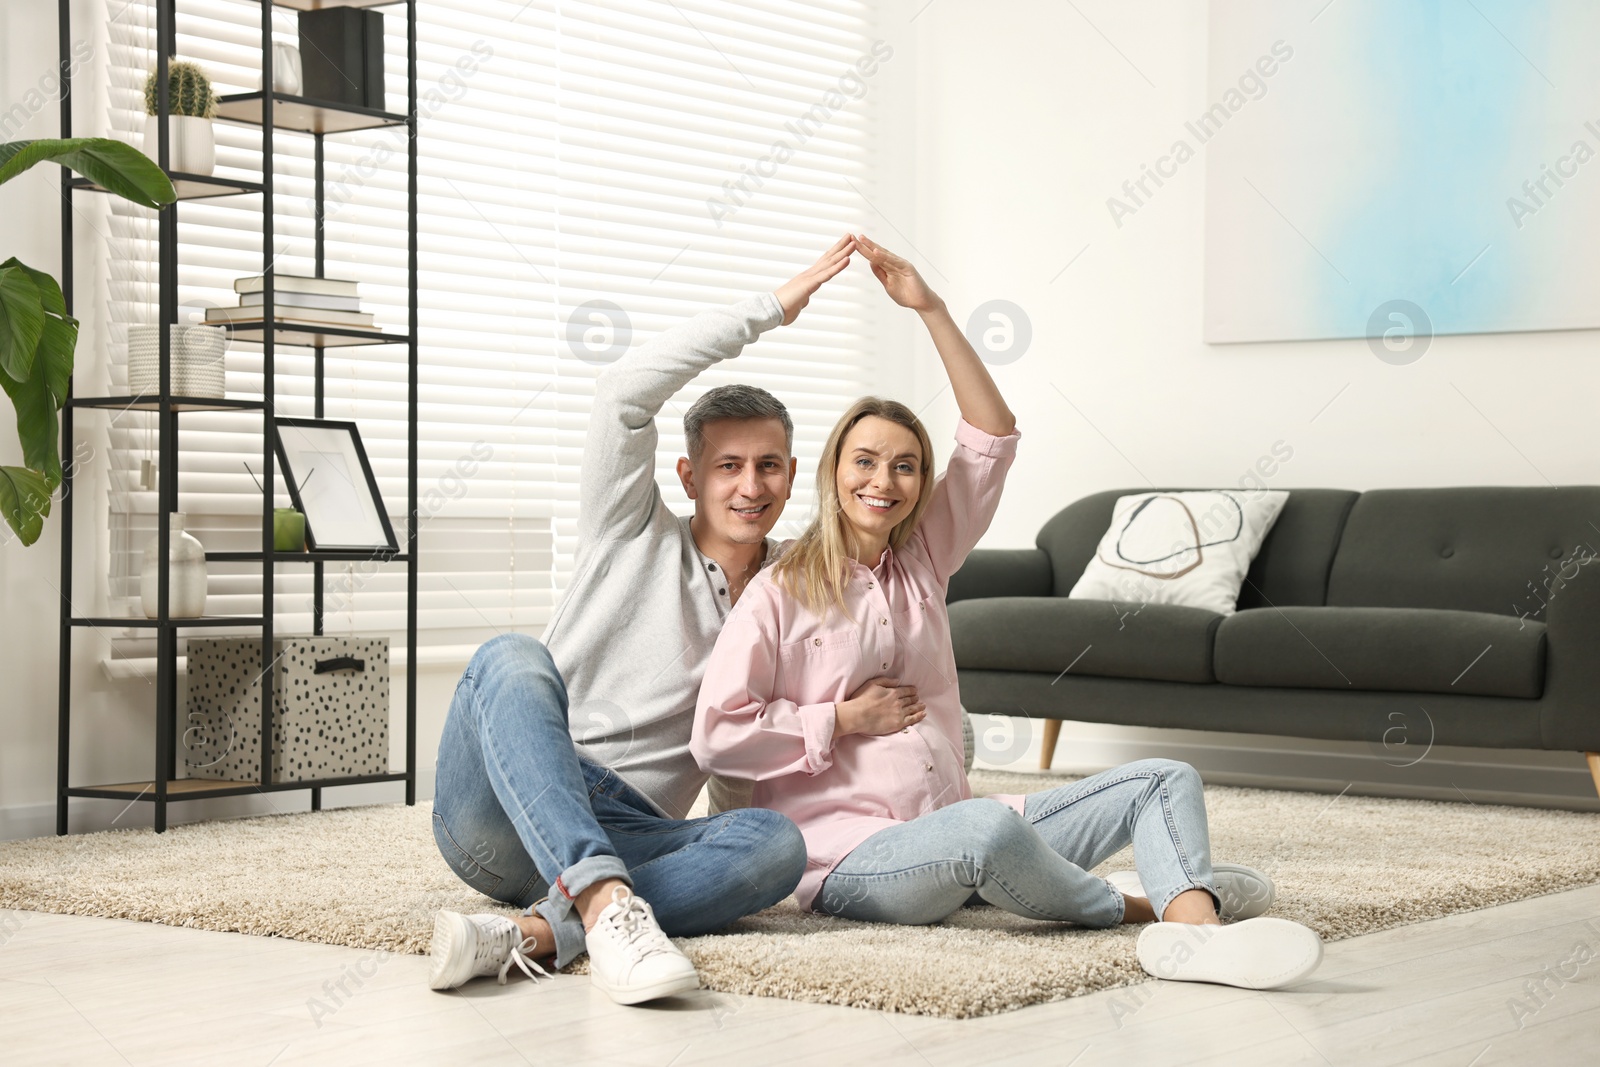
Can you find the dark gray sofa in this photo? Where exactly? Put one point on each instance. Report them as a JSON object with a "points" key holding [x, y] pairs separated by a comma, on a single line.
{"points": [[1461, 616]]}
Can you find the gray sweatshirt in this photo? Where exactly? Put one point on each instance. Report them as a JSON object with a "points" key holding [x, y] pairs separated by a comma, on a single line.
{"points": [[636, 626]]}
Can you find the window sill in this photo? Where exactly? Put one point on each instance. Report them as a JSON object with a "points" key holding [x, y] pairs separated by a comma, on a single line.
{"points": [[429, 658]]}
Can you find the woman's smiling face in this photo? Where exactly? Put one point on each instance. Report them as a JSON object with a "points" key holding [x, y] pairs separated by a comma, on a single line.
{"points": [[879, 478]]}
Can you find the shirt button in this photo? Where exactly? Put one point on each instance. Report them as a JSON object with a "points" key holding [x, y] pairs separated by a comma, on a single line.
{"points": [[711, 566], [885, 666], [883, 622], [927, 766], [816, 640], [869, 585], [722, 592], [905, 729]]}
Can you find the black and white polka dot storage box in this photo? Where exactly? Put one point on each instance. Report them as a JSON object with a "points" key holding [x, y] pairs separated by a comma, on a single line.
{"points": [[331, 708]]}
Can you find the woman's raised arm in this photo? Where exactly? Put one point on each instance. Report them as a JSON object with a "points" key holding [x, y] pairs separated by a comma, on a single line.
{"points": [[976, 394]]}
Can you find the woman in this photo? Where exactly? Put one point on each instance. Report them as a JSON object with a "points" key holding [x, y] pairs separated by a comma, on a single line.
{"points": [[833, 687]]}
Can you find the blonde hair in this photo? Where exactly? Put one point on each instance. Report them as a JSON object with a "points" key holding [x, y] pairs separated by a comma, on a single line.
{"points": [[814, 570]]}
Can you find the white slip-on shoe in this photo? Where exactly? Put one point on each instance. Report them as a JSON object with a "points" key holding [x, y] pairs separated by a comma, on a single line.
{"points": [[1245, 892], [630, 959], [1261, 953], [476, 946]]}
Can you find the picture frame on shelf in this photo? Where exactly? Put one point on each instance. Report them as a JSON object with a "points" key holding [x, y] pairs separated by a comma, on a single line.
{"points": [[330, 481]]}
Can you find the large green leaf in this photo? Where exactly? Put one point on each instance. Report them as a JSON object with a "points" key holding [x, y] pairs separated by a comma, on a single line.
{"points": [[59, 338], [49, 291], [37, 425], [21, 319], [112, 165], [53, 361], [25, 501]]}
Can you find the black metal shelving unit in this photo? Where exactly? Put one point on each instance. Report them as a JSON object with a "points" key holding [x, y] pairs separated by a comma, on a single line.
{"points": [[271, 112]]}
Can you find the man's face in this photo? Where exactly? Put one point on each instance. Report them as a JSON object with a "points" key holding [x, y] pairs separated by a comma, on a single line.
{"points": [[741, 480]]}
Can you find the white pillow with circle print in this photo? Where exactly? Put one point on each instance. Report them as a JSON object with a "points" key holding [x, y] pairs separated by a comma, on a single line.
{"points": [[1190, 548]]}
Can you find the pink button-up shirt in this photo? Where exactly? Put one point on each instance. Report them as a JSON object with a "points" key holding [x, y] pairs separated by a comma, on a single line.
{"points": [[766, 707]]}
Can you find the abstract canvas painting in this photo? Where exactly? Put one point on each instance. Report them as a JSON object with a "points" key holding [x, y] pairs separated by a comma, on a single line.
{"points": [[1421, 165]]}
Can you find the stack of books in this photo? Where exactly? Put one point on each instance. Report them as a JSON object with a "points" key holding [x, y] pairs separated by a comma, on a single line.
{"points": [[296, 301]]}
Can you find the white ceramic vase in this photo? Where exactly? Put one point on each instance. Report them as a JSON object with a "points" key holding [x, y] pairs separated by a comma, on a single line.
{"points": [[186, 594], [285, 70], [191, 147]]}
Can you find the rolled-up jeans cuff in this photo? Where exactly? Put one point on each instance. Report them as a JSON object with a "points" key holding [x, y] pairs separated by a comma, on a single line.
{"points": [[1161, 906], [1119, 904], [567, 928], [557, 908]]}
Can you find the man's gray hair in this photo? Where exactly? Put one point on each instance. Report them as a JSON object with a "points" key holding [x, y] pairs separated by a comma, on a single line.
{"points": [[733, 402]]}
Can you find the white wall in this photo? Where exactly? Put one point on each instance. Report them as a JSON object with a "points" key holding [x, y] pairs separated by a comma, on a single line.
{"points": [[1030, 114]]}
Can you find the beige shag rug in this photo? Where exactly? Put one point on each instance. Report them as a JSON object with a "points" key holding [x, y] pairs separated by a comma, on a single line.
{"points": [[372, 878]]}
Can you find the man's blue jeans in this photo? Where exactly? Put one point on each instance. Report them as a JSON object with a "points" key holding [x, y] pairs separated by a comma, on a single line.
{"points": [[523, 818]]}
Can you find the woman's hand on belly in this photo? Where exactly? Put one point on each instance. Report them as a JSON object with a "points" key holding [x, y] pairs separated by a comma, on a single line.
{"points": [[879, 706]]}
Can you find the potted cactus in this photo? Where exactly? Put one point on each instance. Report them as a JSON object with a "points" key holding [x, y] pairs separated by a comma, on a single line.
{"points": [[191, 148]]}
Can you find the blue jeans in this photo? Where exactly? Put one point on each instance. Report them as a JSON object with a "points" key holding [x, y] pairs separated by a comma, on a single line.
{"points": [[1035, 865], [521, 817]]}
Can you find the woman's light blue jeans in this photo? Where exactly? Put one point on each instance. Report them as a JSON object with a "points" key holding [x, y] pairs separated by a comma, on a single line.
{"points": [[521, 817], [1035, 865]]}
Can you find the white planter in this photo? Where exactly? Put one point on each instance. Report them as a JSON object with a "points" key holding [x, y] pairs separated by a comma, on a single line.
{"points": [[191, 146], [198, 360], [186, 592]]}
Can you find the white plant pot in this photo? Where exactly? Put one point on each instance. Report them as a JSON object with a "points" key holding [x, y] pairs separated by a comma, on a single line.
{"points": [[199, 356], [186, 592], [191, 147]]}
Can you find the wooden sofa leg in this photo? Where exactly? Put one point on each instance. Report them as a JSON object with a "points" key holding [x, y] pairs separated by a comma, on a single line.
{"points": [[1052, 732], [1594, 768]]}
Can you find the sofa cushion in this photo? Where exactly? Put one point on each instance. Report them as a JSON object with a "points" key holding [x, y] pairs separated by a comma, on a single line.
{"points": [[1192, 549], [1414, 650], [1291, 567], [1049, 634], [1503, 550]]}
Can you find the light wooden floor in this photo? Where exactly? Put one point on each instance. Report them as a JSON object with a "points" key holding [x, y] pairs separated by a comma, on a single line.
{"points": [[96, 991]]}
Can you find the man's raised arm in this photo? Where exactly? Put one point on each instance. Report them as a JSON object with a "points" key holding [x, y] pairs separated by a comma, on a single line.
{"points": [[618, 493]]}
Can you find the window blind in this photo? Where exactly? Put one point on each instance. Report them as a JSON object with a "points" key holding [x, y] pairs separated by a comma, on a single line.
{"points": [[660, 156]]}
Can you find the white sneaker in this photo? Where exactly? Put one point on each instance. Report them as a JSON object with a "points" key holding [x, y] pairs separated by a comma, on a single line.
{"points": [[476, 946], [630, 959], [1245, 892], [1262, 953]]}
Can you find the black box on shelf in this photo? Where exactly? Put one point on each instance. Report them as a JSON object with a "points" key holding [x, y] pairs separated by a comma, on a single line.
{"points": [[341, 56]]}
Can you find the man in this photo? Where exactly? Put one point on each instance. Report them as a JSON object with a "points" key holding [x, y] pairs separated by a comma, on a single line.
{"points": [[578, 817]]}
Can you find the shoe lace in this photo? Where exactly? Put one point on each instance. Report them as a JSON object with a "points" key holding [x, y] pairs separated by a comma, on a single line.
{"points": [[519, 955], [637, 925]]}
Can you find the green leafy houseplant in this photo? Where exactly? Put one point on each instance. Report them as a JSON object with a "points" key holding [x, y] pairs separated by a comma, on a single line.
{"points": [[37, 336], [188, 91]]}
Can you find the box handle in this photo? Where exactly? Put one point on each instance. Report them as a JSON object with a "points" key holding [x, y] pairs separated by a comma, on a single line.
{"points": [[340, 663]]}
